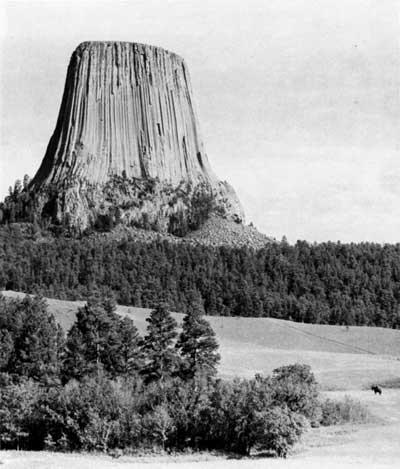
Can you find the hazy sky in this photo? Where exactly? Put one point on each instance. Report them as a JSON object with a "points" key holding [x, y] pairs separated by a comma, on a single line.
{"points": [[298, 101]]}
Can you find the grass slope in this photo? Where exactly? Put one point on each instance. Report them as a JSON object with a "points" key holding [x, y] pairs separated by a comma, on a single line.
{"points": [[341, 358]]}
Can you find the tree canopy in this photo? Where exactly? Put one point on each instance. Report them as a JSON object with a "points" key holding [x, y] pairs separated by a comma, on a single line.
{"points": [[197, 343], [327, 283], [162, 360]]}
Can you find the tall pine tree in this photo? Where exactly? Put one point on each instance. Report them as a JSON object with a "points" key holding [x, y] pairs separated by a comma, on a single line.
{"points": [[101, 340], [197, 344], [30, 340], [161, 356], [130, 352]]}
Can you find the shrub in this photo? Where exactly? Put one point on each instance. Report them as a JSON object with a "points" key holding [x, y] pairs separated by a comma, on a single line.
{"points": [[157, 426], [335, 412], [296, 386], [277, 429], [99, 414], [17, 403], [233, 422], [95, 414]]}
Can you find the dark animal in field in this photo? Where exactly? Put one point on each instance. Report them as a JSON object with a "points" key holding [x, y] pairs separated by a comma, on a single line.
{"points": [[376, 389]]}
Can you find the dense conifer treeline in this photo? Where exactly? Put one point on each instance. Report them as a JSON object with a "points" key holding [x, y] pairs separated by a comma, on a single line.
{"points": [[328, 283]]}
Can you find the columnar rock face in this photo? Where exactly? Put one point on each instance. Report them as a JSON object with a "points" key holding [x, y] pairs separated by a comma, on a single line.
{"points": [[127, 143]]}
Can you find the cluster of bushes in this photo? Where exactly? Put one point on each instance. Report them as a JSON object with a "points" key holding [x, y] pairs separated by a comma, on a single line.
{"points": [[329, 283], [106, 388], [334, 412], [101, 414]]}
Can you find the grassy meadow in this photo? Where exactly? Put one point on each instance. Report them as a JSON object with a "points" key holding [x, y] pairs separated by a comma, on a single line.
{"points": [[341, 357]]}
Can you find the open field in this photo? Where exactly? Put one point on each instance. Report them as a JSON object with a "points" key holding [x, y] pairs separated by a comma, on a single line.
{"points": [[341, 358]]}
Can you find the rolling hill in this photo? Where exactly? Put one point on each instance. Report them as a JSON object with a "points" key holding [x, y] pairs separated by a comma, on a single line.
{"points": [[341, 358]]}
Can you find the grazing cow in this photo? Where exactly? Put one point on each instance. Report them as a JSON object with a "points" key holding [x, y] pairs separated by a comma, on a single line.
{"points": [[376, 389]]}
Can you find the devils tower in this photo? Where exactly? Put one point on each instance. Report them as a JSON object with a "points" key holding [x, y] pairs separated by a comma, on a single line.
{"points": [[127, 145]]}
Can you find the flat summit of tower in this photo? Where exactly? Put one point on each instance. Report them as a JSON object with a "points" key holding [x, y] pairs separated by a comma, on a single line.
{"points": [[87, 45]]}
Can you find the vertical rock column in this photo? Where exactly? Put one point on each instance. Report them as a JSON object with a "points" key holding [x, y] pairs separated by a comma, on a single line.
{"points": [[127, 111], [126, 108]]}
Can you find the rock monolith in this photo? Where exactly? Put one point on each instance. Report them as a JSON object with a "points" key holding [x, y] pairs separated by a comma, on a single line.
{"points": [[127, 146]]}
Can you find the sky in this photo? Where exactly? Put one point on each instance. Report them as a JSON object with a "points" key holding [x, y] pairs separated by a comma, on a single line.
{"points": [[298, 100]]}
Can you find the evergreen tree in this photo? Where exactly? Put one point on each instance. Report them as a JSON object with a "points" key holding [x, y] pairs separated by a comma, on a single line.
{"points": [[75, 363], [197, 344], [328, 283], [26, 181], [6, 348], [30, 340], [161, 356], [101, 340], [130, 353]]}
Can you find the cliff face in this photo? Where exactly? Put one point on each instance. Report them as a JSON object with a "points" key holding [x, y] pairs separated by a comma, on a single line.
{"points": [[127, 143]]}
